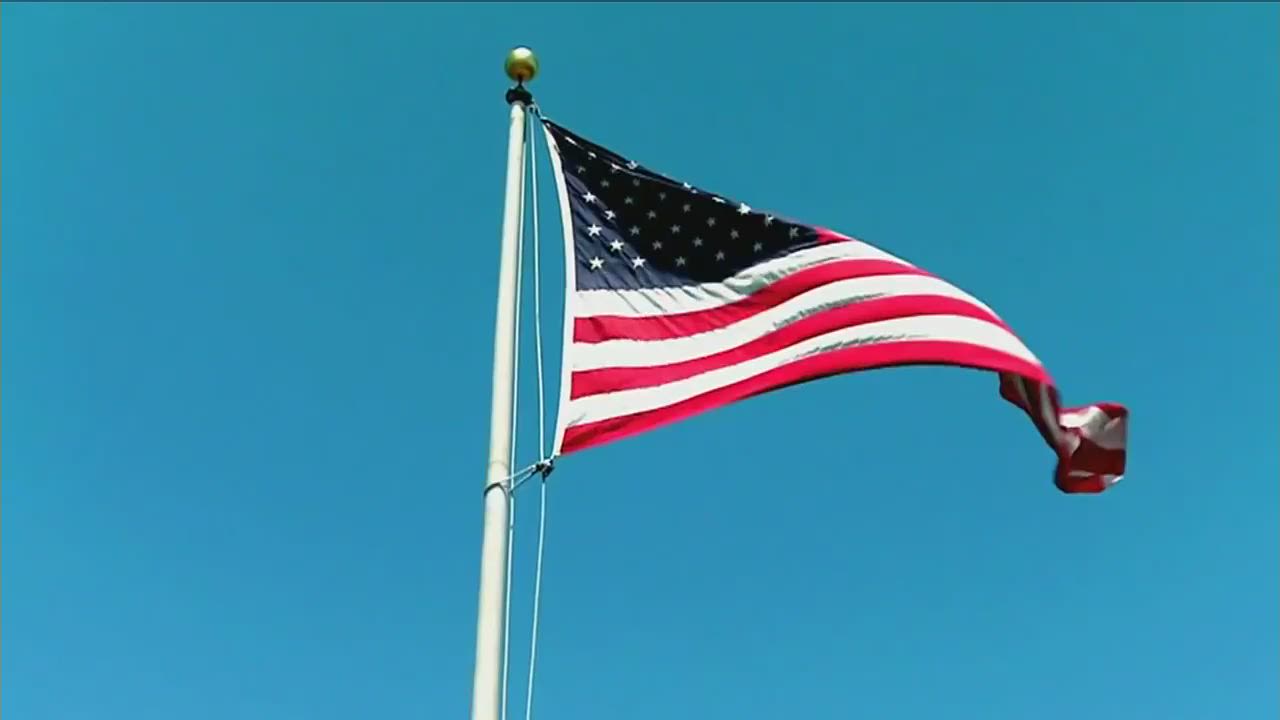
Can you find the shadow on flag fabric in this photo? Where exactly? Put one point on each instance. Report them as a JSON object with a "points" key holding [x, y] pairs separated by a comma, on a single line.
{"points": [[680, 301]]}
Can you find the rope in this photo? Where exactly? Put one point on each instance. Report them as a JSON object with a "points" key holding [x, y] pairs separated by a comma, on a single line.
{"points": [[544, 466], [522, 474], [537, 597]]}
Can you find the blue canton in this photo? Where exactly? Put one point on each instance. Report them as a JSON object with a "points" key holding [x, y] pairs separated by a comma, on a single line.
{"points": [[634, 228]]}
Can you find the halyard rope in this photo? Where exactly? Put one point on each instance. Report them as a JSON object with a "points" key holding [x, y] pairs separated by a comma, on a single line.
{"points": [[544, 466]]}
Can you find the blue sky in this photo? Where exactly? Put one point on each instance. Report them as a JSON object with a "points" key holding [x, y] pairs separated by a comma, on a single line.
{"points": [[251, 259]]}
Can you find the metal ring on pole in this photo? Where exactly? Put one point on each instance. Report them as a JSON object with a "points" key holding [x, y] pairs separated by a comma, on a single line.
{"points": [[519, 94]]}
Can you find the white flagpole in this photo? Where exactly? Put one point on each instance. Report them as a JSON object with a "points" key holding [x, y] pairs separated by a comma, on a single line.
{"points": [[486, 696]]}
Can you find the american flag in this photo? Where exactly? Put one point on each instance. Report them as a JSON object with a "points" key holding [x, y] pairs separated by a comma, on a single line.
{"points": [[682, 300]]}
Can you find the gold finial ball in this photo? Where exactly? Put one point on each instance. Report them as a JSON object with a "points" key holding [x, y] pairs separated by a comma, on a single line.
{"points": [[521, 64]]}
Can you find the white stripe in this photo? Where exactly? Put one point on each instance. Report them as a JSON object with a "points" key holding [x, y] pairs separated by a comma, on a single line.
{"points": [[1091, 417], [642, 353], [1048, 416], [1107, 480], [1100, 428], [933, 327], [663, 301]]}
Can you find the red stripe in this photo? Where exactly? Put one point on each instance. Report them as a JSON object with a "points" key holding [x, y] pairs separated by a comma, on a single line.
{"points": [[1094, 458], [826, 235], [602, 380], [1009, 390], [928, 352], [599, 328], [1038, 414], [1013, 388], [1074, 484], [1090, 458]]}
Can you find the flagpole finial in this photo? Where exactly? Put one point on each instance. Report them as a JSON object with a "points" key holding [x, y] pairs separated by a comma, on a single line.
{"points": [[521, 65]]}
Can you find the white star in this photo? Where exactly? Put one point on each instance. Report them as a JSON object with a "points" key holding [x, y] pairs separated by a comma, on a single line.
{"points": [[652, 214], [758, 247], [609, 214], [635, 230], [662, 196], [733, 233], [743, 209], [697, 242], [594, 230], [604, 183], [686, 207], [711, 222], [657, 244], [627, 200], [582, 169], [719, 254], [680, 261], [636, 182], [596, 263], [637, 262], [675, 229], [793, 232], [616, 245], [613, 167], [632, 164], [719, 200], [768, 219], [687, 186], [589, 197], [570, 140], [591, 155]]}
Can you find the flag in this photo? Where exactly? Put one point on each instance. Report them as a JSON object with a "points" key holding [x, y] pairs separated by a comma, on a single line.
{"points": [[681, 300]]}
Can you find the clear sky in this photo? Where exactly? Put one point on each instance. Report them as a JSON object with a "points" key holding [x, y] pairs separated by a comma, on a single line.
{"points": [[248, 289]]}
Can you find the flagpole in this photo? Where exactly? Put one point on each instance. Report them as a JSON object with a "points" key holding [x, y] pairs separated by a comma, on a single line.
{"points": [[521, 65]]}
